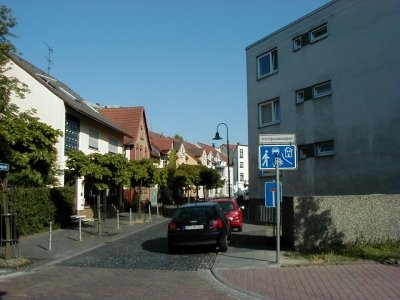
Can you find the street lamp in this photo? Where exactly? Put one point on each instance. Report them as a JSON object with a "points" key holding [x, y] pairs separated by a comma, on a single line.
{"points": [[217, 137]]}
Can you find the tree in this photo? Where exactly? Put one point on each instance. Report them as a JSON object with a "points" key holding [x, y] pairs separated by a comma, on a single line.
{"points": [[100, 170], [188, 176], [25, 143], [30, 150], [143, 174], [8, 85], [210, 178], [178, 137]]}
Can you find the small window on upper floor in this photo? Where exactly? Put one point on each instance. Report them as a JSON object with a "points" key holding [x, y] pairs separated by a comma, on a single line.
{"points": [[269, 112], [94, 139], [241, 164], [241, 153], [325, 149], [267, 63], [112, 145], [322, 89], [300, 96], [241, 175], [318, 33], [297, 43]]}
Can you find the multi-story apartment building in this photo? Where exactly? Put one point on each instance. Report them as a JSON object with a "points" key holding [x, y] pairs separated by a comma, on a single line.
{"points": [[240, 166], [332, 79]]}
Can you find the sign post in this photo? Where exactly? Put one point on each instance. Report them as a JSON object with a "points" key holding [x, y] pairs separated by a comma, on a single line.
{"points": [[278, 211], [277, 152], [7, 222]]}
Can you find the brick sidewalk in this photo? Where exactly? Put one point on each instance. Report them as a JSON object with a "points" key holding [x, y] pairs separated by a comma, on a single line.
{"points": [[354, 281]]}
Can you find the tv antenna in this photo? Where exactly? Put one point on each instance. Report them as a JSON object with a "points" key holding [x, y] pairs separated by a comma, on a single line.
{"points": [[48, 58]]}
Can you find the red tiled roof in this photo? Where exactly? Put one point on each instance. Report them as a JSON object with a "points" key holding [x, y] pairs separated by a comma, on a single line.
{"points": [[160, 141], [208, 148], [128, 118]]}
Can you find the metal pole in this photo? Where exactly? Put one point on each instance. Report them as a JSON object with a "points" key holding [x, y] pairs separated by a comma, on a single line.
{"points": [[118, 219], [99, 229], [130, 216], [7, 220], [80, 229], [150, 212], [278, 210], [51, 225]]}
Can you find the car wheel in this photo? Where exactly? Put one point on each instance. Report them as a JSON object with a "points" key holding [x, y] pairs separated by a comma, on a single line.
{"points": [[223, 243], [240, 228]]}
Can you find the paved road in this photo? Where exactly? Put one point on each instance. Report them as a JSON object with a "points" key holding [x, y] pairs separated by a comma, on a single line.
{"points": [[132, 263], [135, 267]]}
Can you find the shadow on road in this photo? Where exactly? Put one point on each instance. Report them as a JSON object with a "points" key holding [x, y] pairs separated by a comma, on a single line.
{"points": [[159, 245]]}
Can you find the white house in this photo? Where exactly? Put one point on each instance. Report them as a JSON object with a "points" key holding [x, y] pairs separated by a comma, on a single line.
{"points": [[240, 166], [61, 108]]}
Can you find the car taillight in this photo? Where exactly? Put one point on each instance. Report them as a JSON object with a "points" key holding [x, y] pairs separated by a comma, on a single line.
{"points": [[217, 224], [172, 226]]}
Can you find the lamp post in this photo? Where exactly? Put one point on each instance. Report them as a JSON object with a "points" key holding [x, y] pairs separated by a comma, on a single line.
{"points": [[217, 137]]}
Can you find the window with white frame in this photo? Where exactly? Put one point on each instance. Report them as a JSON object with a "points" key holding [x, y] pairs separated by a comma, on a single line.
{"points": [[297, 43], [267, 63], [241, 177], [269, 112], [241, 164], [325, 149], [322, 89], [94, 139], [241, 153], [300, 96], [318, 33], [112, 145]]}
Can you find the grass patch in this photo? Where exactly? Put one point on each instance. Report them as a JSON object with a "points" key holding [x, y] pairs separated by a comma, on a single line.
{"points": [[384, 253]]}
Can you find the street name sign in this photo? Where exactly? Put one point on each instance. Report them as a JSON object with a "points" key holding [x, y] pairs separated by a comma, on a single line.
{"points": [[286, 157], [4, 167], [268, 139]]}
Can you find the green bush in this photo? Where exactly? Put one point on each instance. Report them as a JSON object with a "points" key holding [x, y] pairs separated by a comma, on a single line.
{"points": [[33, 209], [63, 199]]}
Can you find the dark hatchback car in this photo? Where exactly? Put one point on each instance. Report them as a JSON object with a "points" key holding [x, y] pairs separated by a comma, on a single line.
{"points": [[200, 223]]}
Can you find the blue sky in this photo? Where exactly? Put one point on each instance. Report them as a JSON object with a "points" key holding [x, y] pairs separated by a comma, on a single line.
{"points": [[183, 60]]}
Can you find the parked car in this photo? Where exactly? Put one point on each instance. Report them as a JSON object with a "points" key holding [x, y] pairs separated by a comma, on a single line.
{"points": [[200, 223], [232, 211]]}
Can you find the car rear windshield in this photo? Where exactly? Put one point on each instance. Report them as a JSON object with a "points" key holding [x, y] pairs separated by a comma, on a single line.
{"points": [[226, 206], [195, 213]]}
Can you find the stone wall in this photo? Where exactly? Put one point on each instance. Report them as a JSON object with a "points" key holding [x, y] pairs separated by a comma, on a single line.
{"points": [[323, 221]]}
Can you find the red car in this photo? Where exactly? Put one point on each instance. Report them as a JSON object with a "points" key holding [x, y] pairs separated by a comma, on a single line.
{"points": [[232, 211]]}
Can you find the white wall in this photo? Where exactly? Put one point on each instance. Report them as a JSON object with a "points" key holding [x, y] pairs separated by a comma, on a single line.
{"points": [[49, 108]]}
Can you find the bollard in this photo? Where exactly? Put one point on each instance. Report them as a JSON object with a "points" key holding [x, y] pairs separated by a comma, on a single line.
{"points": [[130, 216], [80, 229], [150, 212], [51, 224], [118, 219]]}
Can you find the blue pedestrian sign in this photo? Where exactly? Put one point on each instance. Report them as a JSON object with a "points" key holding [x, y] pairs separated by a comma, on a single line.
{"points": [[271, 193], [286, 157]]}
